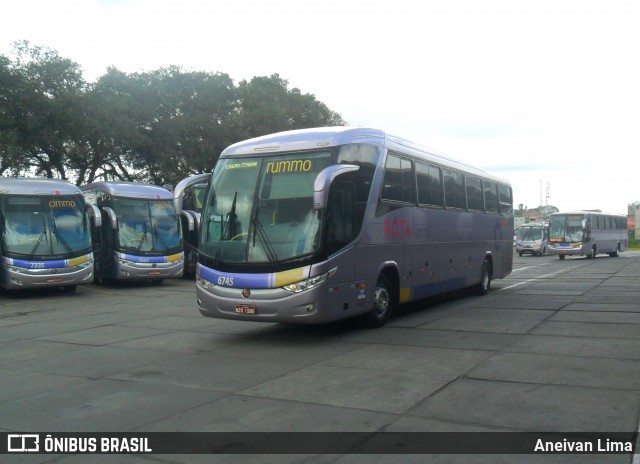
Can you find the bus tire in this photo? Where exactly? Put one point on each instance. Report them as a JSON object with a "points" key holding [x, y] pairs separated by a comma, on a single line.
{"points": [[384, 303], [615, 254], [485, 278], [520, 253]]}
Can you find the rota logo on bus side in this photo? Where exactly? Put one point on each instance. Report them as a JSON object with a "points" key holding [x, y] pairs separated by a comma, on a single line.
{"points": [[398, 228]]}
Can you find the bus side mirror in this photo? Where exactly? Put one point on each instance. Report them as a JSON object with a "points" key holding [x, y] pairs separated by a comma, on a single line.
{"points": [[95, 214], [178, 193], [323, 182], [112, 217]]}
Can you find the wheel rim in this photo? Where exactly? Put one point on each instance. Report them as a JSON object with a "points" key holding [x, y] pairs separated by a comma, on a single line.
{"points": [[382, 301]]}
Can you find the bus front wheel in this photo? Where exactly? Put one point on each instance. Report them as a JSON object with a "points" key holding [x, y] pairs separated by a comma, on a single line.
{"points": [[384, 303]]}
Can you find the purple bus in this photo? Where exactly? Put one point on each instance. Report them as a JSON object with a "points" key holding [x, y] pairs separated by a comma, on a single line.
{"points": [[316, 225]]}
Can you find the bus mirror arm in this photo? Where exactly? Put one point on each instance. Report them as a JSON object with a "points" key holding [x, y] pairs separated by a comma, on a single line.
{"points": [[95, 213], [178, 193], [112, 217], [190, 217], [323, 182]]}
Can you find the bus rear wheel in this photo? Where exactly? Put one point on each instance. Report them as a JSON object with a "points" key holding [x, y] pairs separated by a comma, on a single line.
{"points": [[485, 278], [615, 254], [384, 303]]}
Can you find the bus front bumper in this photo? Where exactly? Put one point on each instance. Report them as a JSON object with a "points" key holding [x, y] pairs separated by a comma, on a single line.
{"points": [[16, 278], [567, 249], [148, 271], [268, 305]]}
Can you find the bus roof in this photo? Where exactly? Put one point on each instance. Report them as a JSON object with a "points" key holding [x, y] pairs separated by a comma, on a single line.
{"points": [[130, 190], [36, 186], [307, 139], [583, 212]]}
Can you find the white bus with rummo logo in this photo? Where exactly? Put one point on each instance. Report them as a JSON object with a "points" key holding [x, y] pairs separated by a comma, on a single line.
{"points": [[315, 225], [140, 237], [45, 234]]}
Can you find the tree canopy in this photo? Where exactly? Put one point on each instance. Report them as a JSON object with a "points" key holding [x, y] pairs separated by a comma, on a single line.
{"points": [[157, 127]]}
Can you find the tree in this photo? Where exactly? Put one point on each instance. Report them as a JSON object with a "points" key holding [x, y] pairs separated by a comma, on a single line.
{"points": [[266, 105], [156, 127], [41, 99]]}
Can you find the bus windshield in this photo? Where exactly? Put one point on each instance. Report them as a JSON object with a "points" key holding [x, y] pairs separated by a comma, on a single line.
{"points": [[42, 226], [565, 228], [529, 234], [261, 209], [147, 225]]}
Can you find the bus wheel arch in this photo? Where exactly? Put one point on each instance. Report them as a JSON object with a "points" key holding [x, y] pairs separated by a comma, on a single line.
{"points": [[385, 298]]}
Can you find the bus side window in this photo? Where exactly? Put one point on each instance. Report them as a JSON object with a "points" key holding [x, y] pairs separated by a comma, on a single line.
{"points": [[398, 184], [454, 194], [429, 179], [490, 197], [506, 202], [475, 201]]}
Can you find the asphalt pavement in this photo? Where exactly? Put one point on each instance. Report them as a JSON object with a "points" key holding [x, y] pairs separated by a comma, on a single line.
{"points": [[553, 347]]}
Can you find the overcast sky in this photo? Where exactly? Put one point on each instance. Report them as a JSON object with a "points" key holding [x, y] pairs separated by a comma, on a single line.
{"points": [[543, 93]]}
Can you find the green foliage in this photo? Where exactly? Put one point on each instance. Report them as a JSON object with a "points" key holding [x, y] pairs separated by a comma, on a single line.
{"points": [[634, 242], [157, 127]]}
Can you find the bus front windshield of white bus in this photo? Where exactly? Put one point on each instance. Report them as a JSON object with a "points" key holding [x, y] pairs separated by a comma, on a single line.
{"points": [[260, 210], [147, 225], [566, 228], [40, 227], [529, 234]]}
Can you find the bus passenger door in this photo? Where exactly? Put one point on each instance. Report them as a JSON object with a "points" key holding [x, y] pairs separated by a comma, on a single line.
{"points": [[341, 230]]}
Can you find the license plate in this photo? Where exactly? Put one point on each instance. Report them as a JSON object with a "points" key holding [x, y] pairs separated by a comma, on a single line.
{"points": [[54, 281], [245, 309], [154, 273]]}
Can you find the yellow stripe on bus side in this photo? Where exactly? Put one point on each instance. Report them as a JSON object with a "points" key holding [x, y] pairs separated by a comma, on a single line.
{"points": [[78, 260], [288, 277], [173, 258], [405, 294]]}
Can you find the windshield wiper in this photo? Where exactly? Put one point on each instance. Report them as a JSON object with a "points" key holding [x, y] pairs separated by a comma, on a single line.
{"points": [[43, 234], [231, 218], [258, 229], [60, 238], [160, 237], [144, 237]]}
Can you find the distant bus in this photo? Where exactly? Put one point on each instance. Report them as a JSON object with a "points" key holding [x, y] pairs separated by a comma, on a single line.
{"points": [[316, 225], [531, 238], [45, 234], [189, 197], [140, 237], [587, 233]]}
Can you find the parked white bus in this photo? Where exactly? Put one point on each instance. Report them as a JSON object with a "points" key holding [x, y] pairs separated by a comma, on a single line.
{"points": [[587, 233], [531, 238], [45, 234], [140, 237], [316, 225]]}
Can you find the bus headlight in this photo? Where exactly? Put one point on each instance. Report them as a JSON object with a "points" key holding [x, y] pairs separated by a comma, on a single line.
{"points": [[309, 283], [204, 283]]}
